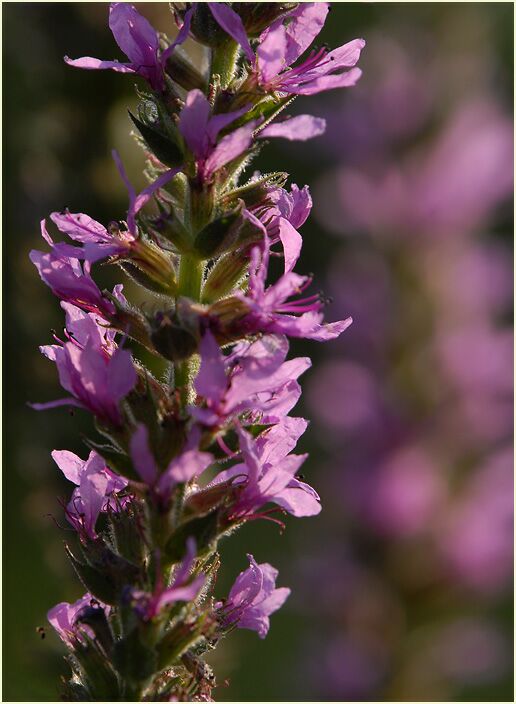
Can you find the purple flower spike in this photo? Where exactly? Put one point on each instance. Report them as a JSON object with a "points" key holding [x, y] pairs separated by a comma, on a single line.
{"points": [[253, 598], [63, 616], [140, 43]]}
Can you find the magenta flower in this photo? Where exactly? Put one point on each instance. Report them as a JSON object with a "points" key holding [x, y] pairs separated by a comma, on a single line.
{"points": [[281, 45], [253, 598], [200, 130], [140, 42], [97, 377], [61, 270], [272, 312], [281, 219], [182, 468], [181, 589], [96, 484], [268, 473], [254, 378], [98, 242], [63, 617]]}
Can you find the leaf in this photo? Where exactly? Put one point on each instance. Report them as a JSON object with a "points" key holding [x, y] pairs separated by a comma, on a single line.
{"points": [[163, 147]]}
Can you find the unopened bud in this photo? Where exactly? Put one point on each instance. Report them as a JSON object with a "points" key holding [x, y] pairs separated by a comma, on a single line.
{"points": [[258, 16], [255, 192], [172, 339], [95, 618], [184, 73], [224, 276], [157, 267], [161, 145], [219, 235]]}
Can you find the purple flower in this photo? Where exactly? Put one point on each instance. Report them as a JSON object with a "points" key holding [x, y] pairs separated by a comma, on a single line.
{"points": [[272, 312], [281, 215], [97, 376], [280, 45], [61, 270], [181, 589], [182, 468], [63, 618], [95, 482], [200, 130], [299, 128], [254, 378], [253, 598], [140, 42], [268, 473]]}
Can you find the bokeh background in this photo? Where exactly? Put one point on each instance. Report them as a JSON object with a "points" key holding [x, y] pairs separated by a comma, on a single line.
{"points": [[402, 587]]}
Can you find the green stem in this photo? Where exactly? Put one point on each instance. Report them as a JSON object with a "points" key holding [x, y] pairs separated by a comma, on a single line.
{"points": [[223, 61], [190, 277]]}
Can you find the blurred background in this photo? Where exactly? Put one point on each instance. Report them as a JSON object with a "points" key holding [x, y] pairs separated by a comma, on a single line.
{"points": [[402, 587]]}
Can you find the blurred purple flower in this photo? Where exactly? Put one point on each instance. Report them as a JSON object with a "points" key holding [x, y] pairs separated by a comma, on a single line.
{"points": [[253, 598], [475, 536]]}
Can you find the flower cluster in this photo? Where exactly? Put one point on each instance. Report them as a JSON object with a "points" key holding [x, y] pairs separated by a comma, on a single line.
{"points": [[182, 462]]}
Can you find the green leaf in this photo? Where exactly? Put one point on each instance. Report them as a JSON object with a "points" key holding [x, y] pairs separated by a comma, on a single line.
{"points": [[163, 147], [204, 529], [134, 661]]}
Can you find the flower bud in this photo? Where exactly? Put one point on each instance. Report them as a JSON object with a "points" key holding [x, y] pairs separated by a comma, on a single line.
{"points": [[184, 73], [157, 267], [172, 339], [99, 679], [255, 192], [220, 235], [134, 660], [205, 28], [168, 226], [161, 145], [204, 529], [95, 618], [258, 16], [106, 573], [224, 276]]}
